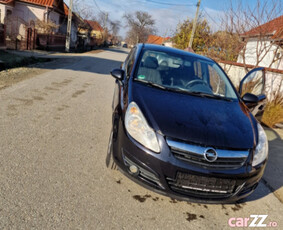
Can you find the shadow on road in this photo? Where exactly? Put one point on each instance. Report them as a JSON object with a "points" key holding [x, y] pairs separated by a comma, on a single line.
{"points": [[86, 64], [83, 62], [117, 50]]}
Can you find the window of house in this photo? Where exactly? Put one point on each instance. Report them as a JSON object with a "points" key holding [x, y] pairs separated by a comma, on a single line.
{"points": [[8, 13]]}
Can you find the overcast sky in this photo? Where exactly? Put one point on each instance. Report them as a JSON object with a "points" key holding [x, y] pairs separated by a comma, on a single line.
{"points": [[167, 13]]}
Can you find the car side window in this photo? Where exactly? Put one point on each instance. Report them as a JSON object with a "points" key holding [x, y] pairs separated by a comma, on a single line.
{"points": [[216, 82], [254, 83], [130, 62]]}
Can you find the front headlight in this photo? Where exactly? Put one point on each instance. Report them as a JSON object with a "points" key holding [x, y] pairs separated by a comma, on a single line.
{"points": [[261, 150], [138, 128]]}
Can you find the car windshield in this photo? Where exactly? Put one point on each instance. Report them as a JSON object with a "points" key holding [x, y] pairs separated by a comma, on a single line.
{"points": [[184, 73]]}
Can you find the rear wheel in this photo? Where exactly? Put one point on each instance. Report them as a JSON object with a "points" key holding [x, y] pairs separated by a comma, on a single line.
{"points": [[110, 163]]}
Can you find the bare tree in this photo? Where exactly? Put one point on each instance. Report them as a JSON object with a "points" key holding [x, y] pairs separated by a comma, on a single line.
{"points": [[141, 24], [46, 27], [246, 23], [83, 9], [114, 27]]}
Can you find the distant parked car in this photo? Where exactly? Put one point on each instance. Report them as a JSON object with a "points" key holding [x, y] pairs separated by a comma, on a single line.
{"points": [[180, 127], [125, 45]]}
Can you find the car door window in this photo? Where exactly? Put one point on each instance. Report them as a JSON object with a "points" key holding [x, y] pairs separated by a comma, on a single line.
{"points": [[130, 62], [254, 83]]}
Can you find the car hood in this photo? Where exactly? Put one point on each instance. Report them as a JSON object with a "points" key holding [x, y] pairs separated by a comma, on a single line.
{"points": [[199, 120]]}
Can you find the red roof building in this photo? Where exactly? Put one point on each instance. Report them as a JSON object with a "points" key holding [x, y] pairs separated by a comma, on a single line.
{"points": [[157, 40], [57, 4], [94, 25], [7, 2], [48, 3], [273, 29], [264, 45]]}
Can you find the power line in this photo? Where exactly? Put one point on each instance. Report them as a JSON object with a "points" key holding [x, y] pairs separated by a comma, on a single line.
{"points": [[209, 15], [169, 4], [98, 7]]}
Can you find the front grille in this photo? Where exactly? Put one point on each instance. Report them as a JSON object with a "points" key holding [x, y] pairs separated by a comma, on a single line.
{"points": [[201, 186], [193, 154]]}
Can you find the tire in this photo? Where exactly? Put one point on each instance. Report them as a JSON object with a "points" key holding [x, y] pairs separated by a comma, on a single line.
{"points": [[110, 163]]}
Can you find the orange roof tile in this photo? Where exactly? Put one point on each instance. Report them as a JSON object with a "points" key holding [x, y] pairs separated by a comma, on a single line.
{"points": [[153, 39], [6, 1], [66, 9], [273, 27], [40, 2], [94, 25], [48, 3]]}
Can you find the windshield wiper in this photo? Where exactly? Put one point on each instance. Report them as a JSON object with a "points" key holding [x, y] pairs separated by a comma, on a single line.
{"points": [[149, 83], [210, 96], [180, 90]]}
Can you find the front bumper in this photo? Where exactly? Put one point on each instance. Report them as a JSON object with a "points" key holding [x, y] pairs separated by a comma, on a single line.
{"points": [[167, 175]]}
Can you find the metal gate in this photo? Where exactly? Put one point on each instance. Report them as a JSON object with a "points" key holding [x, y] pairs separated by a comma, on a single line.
{"points": [[31, 38]]}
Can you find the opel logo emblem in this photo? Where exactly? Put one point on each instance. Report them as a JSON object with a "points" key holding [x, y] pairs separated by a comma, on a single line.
{"points": [[210, 155]]}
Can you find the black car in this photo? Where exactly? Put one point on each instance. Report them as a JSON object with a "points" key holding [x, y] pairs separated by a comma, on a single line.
{"points": [[181, 129]]}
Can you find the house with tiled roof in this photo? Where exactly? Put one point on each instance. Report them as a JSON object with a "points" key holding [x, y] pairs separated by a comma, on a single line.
{"points": [[264, 45], [24, 18], [157, 40], [96, 29], [80, 29], [97, 33]]}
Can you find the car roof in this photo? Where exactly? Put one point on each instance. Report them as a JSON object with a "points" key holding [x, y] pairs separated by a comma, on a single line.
{"points": [[172, 50]]}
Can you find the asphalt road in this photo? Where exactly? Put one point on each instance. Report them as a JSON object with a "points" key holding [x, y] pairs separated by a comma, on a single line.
{"points": [[54, 130]]}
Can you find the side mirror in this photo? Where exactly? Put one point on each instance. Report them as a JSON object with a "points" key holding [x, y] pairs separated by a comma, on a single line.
{"points": [[118, 74], [256, 104], [249, 98]]}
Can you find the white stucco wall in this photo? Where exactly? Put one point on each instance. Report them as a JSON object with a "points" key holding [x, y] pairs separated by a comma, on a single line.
{"points": [[2, 12], [266, 49], [23, 14], [28, 12]]}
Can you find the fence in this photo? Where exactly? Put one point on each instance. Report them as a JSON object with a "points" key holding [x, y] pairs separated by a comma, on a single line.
{"points": [[49, 41], [273, 77]]}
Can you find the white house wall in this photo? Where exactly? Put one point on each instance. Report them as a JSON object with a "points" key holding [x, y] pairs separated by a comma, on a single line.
{"points": [[251, 55], [2, 13], [23, 14]]}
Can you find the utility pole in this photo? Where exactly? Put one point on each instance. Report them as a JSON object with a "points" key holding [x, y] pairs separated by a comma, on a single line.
{"points": [[194, 25], [69, 27]]}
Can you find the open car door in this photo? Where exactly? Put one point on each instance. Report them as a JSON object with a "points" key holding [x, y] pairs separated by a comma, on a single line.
{"points": [[251, 90]]}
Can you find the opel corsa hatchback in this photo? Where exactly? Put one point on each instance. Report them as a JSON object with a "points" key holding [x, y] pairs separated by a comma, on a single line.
{"points": [[181, 129]]}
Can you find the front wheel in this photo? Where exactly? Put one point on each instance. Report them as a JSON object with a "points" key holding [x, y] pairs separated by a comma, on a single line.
{"points": [[110, 163]]}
